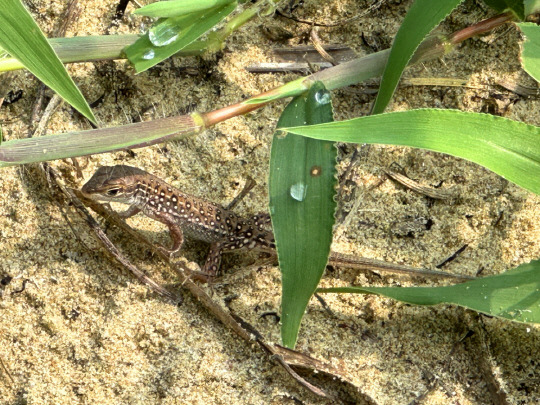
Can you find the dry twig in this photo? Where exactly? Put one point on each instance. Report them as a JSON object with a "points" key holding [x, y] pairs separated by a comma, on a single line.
{"points": [[6, 371], [415, 186], [317, 44]]}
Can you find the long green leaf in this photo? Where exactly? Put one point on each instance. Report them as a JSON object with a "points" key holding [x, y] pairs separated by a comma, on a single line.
{"points": [[82, 143], [513, 295], [175, 8], [170, 35], [22, 38], [509, 148], [302, 181], [530, 51], [423, 16], [94, 47]]}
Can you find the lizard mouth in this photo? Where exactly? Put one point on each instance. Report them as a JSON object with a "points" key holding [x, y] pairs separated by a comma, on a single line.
{"points": [[93, 194]]}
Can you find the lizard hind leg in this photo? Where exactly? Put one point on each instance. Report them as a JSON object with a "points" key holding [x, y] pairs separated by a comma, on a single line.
{"points": [[213, 260]]}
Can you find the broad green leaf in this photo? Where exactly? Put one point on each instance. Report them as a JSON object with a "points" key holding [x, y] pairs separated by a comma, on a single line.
{"points": [[513, 295], [423, 16], [301, 187], [175, 8], [509, 148], [170, 35], [22, 38], [530, 49], [516, 6]]}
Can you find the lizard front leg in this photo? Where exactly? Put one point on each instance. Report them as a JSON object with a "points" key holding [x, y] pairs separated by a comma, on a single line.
{"points": [[175, 232]]}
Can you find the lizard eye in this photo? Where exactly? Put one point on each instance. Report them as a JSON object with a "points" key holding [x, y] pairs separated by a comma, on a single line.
{"points": [[112, 192]]}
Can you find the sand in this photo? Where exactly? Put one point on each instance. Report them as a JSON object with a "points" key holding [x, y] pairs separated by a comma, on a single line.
{"points": [[86, 331]]}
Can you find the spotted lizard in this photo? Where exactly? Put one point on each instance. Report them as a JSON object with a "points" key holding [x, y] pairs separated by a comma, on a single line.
{"points": [[182, 213]]}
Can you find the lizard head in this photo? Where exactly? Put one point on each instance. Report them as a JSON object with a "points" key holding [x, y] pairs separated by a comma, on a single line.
{"points": [[113, 183]]}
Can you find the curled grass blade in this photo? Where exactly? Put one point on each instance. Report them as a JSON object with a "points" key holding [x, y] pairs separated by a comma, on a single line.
{"points": [[509, 148], [170, 35], [22, 38], [513, 295], [301, 187]]}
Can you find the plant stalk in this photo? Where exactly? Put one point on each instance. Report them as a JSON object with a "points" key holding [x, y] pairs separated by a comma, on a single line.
{"points": [[480, 28]]}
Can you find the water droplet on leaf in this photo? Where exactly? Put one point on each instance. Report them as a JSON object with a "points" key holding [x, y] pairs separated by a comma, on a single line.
{"points": [[322, 97], [163, 34], [298, 191], [149, 54]]}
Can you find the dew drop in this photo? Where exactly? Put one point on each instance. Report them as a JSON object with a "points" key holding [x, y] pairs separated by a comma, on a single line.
{"points": [[149, 54], [298, 191], [322, 97], [163, 34]]}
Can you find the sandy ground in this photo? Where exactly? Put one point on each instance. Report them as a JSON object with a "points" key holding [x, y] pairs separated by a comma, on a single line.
{"points": [[85, 331]]}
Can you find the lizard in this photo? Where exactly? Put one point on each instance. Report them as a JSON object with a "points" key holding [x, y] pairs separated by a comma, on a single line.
{"points": [[205, 220], [182, 213]]}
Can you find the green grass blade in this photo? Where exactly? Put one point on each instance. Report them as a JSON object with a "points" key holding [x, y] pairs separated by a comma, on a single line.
{"points": [[22, 38], [530, 49], [170, 35], [92, 48], [513, 295], [82, 143], [291, 89], [509, 148], [301, 184], [175, 8], [423, 16]]}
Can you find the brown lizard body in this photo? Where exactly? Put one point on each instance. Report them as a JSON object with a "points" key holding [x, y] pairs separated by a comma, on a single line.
{"points": [[182, 213]]}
